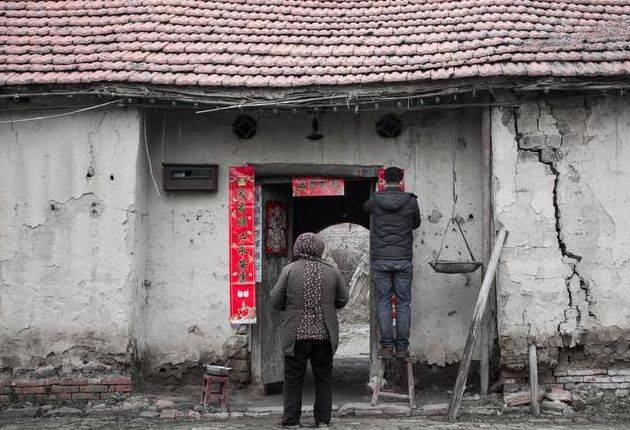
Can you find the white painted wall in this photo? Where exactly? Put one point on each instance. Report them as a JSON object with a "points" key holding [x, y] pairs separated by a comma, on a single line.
{"points": [[187, 301], [71, 279], [68, 276]]}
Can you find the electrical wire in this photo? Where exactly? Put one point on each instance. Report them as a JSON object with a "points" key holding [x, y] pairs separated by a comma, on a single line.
{"points": [[146, 148], [39, 118], [261, 104]]}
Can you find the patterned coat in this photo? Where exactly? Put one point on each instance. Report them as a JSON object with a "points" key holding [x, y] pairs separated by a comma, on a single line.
{"points": [[289, 292]]}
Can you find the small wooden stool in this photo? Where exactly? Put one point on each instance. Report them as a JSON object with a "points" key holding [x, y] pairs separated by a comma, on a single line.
{"points": [[221, 394], [411, 396]]}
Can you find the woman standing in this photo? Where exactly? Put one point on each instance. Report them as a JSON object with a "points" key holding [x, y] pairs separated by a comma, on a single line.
{"points": [[310, 291]]}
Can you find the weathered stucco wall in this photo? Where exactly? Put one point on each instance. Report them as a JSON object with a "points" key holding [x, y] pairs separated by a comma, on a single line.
{"points": [[187, 296], [80, 220], [71, 209], [561, 188]]}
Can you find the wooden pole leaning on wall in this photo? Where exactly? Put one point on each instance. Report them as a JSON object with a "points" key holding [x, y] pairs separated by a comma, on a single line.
{"points": [[480, 307], [487, 333], [533, 379]]}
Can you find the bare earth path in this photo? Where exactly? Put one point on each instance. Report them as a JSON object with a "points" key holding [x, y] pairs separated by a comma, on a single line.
{"points": [[264, 423]]}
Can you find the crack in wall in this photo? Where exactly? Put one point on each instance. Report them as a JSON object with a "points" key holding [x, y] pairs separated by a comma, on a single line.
{"points": [[90, 135], [571, 329], [56, 205]]}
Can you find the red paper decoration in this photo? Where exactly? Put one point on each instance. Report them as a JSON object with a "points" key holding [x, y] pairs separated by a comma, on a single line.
{"points": [[317, 187], [242, 239], [276, 228]]}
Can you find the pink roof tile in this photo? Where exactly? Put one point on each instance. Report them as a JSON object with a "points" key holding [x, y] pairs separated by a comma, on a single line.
{"points": [[287, 43]]}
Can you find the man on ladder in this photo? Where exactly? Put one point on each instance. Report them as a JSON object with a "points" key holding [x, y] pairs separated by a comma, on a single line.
{"points": [[395, 214]]}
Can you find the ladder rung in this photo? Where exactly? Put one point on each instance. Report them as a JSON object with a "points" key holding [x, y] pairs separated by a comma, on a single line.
{"points": [[394, 395]]}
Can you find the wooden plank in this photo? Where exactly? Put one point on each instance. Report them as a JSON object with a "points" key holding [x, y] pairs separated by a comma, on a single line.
{"points": [[533, 379], [486, 339], [256, 342], [411, 385], [394, 395], [374, 334], [379, 368], [480, 307], [267, 358], [374, 360]]}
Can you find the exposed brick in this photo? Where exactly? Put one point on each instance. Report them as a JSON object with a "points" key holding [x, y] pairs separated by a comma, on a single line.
{"points": [[34, 390], [30, 383], [123, 388], [95, 381], [94, 388], [118, 380], [7, 390], [585, 372], [52, 381], [65, 388], [598, 385], [73, 381], [615, 372], [85, 396], [594, 379]]}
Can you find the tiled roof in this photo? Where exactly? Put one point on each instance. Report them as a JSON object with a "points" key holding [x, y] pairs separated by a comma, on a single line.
{"points": [[285, 43]]}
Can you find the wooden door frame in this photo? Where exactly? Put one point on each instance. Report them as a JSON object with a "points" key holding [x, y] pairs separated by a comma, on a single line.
{"points": [[282, 173]]}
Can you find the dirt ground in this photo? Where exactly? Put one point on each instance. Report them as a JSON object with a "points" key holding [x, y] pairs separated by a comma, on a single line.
{"points": [[163, 407], [264, 423]]}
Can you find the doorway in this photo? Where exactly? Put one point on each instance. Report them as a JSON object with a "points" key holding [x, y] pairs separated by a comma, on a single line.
{"points": [[305, 214], [348, 248]]}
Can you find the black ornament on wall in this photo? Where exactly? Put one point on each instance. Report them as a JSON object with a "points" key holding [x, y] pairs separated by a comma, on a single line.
{"points": [[389, 126], [315, 133], [245, 127]]}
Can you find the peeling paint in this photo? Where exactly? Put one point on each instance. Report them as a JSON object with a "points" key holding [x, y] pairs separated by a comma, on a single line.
{"points": [[575, 141], [65, 290]]}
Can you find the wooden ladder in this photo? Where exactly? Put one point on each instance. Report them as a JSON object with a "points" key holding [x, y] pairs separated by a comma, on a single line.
{"points": [[378, 387]]}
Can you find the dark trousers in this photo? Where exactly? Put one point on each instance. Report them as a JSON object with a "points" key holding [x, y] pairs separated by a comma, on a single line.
{"points": [[320, 354], [393, 277]]}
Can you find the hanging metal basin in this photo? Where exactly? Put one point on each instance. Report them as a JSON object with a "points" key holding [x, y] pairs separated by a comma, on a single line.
{"points": [[217, 370], [447, 266]]}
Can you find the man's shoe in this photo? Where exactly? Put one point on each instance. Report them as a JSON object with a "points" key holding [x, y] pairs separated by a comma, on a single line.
{"points": [[385, 352], [402, 352]]}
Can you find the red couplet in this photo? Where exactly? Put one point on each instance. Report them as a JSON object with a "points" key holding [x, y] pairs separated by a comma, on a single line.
{"points": [[242, 264]]}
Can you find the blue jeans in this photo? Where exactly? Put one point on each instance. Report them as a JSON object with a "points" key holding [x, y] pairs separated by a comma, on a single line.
{"points": [[393, 277]]}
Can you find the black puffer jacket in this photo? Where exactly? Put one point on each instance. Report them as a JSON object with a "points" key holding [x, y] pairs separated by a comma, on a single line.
{"points": [[395, 214]]}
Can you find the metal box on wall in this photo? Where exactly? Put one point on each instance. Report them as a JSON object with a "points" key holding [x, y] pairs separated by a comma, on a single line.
{"points": [[190, 177]]}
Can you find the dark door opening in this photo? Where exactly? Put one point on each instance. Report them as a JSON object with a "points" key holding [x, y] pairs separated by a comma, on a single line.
{"points": [[313, 214], [307, 214]]}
